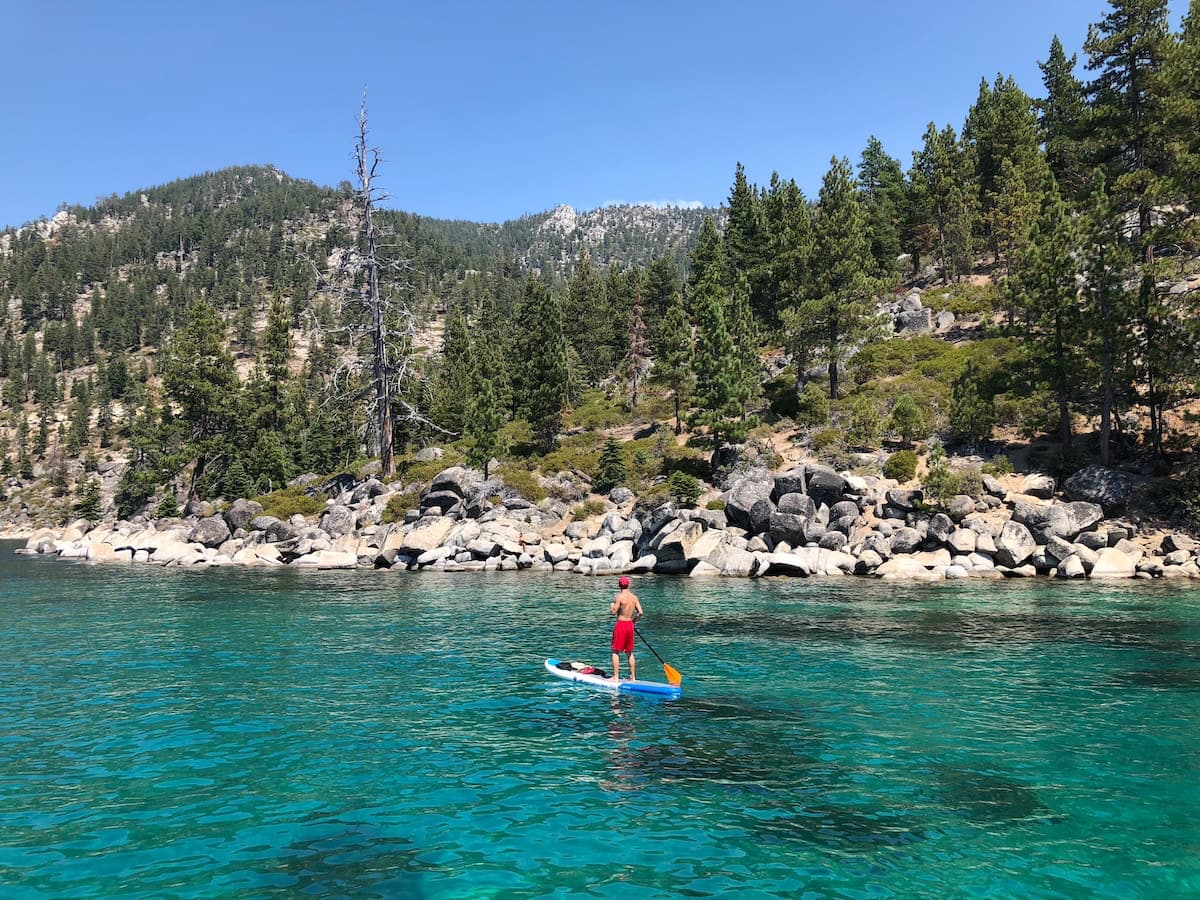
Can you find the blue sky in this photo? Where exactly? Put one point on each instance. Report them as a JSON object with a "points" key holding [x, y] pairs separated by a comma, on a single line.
{"points": [[488, 111]]}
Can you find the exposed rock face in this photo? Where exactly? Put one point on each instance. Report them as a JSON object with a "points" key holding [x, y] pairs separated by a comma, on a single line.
{"points": [[241, 512], [1109, 488], [211, 532], [1014, 545], [338, 520], [746, 492], [825, 486]]}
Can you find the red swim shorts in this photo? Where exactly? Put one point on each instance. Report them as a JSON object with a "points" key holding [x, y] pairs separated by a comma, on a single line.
{"points": [[622, 637]]}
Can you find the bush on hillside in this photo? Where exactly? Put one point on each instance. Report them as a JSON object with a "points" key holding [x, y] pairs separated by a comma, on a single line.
{"points": [[685, 489], [291, 501], [901, 465]]}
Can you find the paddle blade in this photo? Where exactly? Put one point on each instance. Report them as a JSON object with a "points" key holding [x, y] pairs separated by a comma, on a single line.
{"points": [[673, 675]]}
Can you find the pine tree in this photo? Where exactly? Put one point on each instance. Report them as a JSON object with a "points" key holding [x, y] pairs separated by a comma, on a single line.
{"points": [[945, 191], [1127, 49], [87, 501], [708, 263], [613, 472], [837, 308], [591, 320], [906, 419], [1062, 123], [717, 390], [484, 421], [743, 331], [673, 359], [1105, 304], [1046, 275], [881, 181], [745, 243], [199, 376], [638, 356], [452, 388], [542, 390], [972, 411]]}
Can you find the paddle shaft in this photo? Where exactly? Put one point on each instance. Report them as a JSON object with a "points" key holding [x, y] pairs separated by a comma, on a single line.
{"points": [[647, 643]]}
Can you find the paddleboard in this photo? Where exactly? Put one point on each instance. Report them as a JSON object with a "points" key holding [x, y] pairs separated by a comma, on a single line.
{"points": [[592, 680]]}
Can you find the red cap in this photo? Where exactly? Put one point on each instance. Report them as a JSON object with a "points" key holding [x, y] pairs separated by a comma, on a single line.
{"points": [[623, 581]]}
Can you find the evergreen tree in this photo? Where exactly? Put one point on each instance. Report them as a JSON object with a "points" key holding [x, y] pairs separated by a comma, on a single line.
{"points": [[743, 331], [660, 284], [198, 375], [452, 387], [1062, 124], [708, 264], [717, 378], [1047, 278], [972, 411], [87, 501], [945, 191], [484, 421], [587, 310], [1105, 304], [638, 356], [1127, 49], [906, 419], [866, 424], [613, 472], [745, 243], [881, 181], [837, 308], [673, 357], [542, 389]]}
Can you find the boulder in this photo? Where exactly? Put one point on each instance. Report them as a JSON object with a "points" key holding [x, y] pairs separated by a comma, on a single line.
{"points": [[789, 482], [906, 500], [960, 507], [241, 512], [964, 541], [677, 546], [832, 540], [1014, 545], [799, 505], [787, 527], [732, 561], [1109, 488], [787, 564], [906, 540], [1037, 485], [1173, 542], [368, 490], [941, 527], [824, 485], [1113, 563], [211, 532], [338, 520], [456, 479], [326, 559], [274, 529], [1081, 516], [425, 535], [904, 568], [746, 492], [914, 321]]}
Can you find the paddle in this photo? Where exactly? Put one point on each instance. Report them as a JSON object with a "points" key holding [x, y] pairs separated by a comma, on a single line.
{"points": [[673, 675]]}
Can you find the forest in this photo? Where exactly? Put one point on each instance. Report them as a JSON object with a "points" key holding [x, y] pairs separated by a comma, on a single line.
{"points": [[196, 333]]}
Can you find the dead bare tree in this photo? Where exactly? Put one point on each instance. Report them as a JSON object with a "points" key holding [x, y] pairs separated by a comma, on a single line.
{"points": [[368, 283]]}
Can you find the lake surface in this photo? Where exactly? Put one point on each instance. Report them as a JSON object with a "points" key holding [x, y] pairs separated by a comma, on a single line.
{"points": [[239, 733]]}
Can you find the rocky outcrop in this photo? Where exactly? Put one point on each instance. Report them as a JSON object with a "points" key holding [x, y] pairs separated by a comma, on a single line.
{"points": [[808, 521]]}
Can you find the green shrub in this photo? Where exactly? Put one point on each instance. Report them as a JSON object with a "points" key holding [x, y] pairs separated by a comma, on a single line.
{"points": [[827, 438], [653, 497], [812, 406], [715, 503], [577, 453], [964, 299], [168, 507], [901, 466], [291, 501], [399, 505], [969, 482], [683, 488], [521, 480], [596, 410], [588, 508], [413, 470], [999, 464]]}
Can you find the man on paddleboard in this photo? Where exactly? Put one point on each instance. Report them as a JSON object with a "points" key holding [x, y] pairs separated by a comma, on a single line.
{"points": [[627, 608]]}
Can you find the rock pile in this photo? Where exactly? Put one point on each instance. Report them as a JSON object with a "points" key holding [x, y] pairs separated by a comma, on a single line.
{"points": [[804, 521]]}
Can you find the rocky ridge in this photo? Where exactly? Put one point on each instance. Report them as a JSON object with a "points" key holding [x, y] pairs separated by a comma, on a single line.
{"points": [[808, 520]]}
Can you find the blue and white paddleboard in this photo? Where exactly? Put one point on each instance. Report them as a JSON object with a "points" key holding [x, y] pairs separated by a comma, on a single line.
{"points": [[656, 688]]}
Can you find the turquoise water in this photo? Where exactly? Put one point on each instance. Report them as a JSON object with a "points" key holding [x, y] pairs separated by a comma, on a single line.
{"points": [[234, 733]]}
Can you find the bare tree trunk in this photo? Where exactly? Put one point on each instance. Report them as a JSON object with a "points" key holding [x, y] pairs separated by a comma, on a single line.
{"points": [[367, 161]]}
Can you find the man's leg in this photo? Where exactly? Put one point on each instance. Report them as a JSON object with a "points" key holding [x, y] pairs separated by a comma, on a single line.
{"points": [[632, 667], [616, 672]]}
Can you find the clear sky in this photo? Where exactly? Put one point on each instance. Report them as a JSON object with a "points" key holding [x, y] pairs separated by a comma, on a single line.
{"points": [[490, 110]]}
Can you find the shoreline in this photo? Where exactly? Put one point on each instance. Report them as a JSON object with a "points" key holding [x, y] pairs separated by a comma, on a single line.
{"points": [[805, 521]]}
